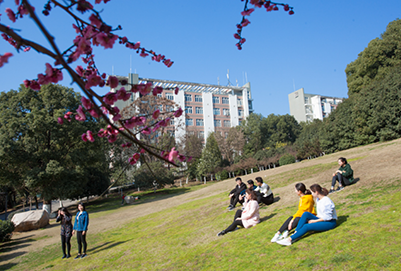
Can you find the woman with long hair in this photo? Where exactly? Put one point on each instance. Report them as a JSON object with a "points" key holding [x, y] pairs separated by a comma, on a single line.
{"points": [[65, 217], [81, 228], [325, 220], [306, 204], [248, 217], [344, 175]]}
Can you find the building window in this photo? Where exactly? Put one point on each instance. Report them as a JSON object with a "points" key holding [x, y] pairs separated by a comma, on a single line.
{"points": [[189, 122], [306, 100], [240, 122], [188, 109], [160, 107], [216, 100], [172, 122], [159, 95], [217, 123], [226, 112], [188, 97], [201, 134], [199, 122], [225, 135], [239, 102], [240, 113], [169, 108], [191, 133], [224, 100], [170, 96], [198, 98], [227, 123], [216, 111], [199, 110]]}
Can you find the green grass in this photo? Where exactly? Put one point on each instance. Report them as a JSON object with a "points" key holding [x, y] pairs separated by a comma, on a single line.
{"points": [[183, 238]]}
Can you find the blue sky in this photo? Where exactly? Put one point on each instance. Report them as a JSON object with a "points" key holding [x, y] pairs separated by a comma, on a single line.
{"points": [[309, 49]]}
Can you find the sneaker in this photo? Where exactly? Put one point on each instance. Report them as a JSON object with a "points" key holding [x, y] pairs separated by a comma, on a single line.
{"points": [[275, 237], [78, 257], [83, 255], [64, 256], [68, 256], [285, 235], [231, 208], [221, 233], [332, 191], [339, 188], [284, 242]]}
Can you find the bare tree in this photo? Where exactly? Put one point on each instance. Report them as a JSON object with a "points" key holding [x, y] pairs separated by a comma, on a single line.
{"points": [[231, 146]]}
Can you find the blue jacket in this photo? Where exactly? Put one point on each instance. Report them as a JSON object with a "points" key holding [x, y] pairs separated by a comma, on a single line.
{"points": [[81, 221]]}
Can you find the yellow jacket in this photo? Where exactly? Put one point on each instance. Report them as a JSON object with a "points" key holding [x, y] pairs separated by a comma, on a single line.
{"points": [[306, 204]]}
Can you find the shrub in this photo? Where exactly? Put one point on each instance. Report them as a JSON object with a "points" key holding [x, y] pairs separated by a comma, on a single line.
{"points": [[286, 159], [6, 230], [223, 175]]}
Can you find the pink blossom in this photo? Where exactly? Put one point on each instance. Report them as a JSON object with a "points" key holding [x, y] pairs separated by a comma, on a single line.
{"points": [[27, 83], [26, 49], [89, 136], [4, 58], [10, 14], [245, 22], [178, 113], [134, 159], [146, 131], [60, 120], [136, 45], [117, 117], [126, 145], [157, 90], [112, 138], [95, 20], [287, 7], [106, 40], [67, 116], [34, 85], [86, 103], [94, 113], [156, 114], [189, 159], [112, 81], [102, 133], [291, 12], [142, 151], [105, 110], [123, 95], [172, 155], [176, 90], [80, 114], [110, 98], [84, 138], [168, 63], [93, 80], [181, 157], [247, 12]]}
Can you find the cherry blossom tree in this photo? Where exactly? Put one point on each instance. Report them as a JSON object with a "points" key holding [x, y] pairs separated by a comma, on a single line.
{"points": [[92, 32]]}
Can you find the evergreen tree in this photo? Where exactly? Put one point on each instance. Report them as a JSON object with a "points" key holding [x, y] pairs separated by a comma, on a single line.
{"points": [[211, 157]]}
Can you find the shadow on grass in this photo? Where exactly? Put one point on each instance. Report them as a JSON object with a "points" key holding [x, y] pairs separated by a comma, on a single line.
{"points": [[7, 266], [263, 219], [105, 246], [10, 256], [16, 244], [341, 220]]}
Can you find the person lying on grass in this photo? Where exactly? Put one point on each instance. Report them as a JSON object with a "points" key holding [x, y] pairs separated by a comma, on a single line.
{"points": [[344, 175], [248, 217], [325, 220], [306, 204]]}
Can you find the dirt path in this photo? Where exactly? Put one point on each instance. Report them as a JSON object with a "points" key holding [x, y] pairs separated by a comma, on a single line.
{"points": [[381, 162]]}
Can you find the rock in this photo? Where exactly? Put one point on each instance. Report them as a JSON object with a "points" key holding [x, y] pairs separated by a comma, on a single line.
{"points": [[30, 220], [129, 199]]}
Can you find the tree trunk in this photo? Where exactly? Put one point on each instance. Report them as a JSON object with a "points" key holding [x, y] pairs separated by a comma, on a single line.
{"points": [[187, 180], [204, 179], [47, 206], [36, 203]]}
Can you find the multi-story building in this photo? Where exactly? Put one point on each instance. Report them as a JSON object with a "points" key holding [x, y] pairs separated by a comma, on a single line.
{"points": [[306, 107], [207, 108]]}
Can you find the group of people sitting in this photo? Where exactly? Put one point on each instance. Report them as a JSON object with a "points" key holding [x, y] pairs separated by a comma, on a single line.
{"points": [[306, 219]]}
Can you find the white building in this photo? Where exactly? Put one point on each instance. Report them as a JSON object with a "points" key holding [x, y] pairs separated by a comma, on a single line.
{"points": [[306, 107], [207, 108]]}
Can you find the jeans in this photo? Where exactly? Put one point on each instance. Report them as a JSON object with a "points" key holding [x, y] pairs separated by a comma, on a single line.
{"points": [[284, 227], [303, 226], [341, 180], [81, 239]]}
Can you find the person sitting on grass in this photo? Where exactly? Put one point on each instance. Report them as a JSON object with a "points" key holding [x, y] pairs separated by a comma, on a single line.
{"points": [[242, 199], [344, 175], [325, 220], [306, 204], [235, 193], [248, 217], [263, 192]]}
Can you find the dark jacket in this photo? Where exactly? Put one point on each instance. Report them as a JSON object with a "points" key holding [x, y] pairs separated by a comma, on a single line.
{"points": [[238, 189], [347, 172], [66, 225]]}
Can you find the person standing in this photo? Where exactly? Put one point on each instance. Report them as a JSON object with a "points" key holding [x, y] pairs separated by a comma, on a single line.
{"points": [[306, 204], [325, 220], [65, 218], [81, 228], [235, 193], [263, 192], [344, 175]]}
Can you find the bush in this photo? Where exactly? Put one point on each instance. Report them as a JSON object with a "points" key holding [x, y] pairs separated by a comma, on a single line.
{"points": [[286, 159], [223, 175], [6, 230]]}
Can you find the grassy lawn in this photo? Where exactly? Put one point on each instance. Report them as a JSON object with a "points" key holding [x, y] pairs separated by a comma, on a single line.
{"points": [[184, 238]]}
